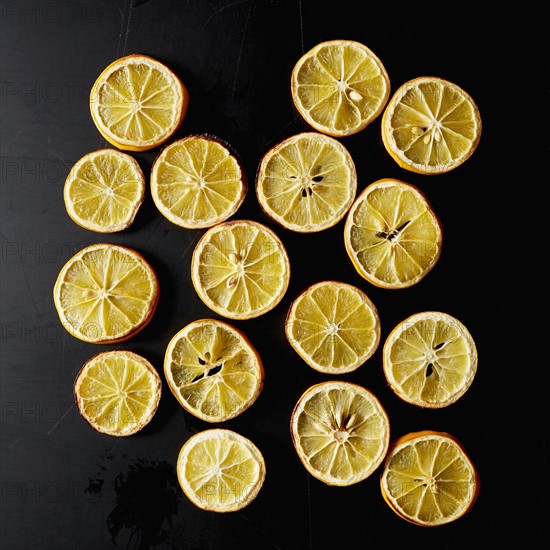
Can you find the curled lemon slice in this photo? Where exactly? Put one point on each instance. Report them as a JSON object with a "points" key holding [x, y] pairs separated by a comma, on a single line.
{"points": [[307, 182], [197, 182], [333, 326], [137, 102], [213, 370], [106, 293], [118, 392], [104, 190], [339, 87], [220, 470], [240, 269], [428, 479], [340, 431], [431, 126], [392, 235]]}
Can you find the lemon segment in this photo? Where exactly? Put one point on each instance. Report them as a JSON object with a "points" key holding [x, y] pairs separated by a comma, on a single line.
{"points": [[333, 326], [213, 370], [430, 359], [428, 479], [240, 269], [339, 87], [431, 126], [104, 190], [392, 235], [106, 293], [137, 102], [197, 182], [307, 182], [340, 432], [220, 470], [118, 392]]}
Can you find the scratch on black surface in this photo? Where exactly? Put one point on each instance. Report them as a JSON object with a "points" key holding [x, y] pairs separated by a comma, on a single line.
{"points": [[223, 8], [241, 48], [301, 24]]}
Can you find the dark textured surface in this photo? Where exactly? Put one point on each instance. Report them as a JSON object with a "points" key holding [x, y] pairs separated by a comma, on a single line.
{"points": [[64, 486]]}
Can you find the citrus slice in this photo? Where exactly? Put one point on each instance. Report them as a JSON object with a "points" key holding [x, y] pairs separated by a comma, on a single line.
{"points": [[430, 126], [392, 235], [339, 87], [428, 479], [334, 327], [106, 293], [118, 392], [213, 370], [307, 182], [340, 432], [220, 470], [240, 269], [430, 359], [197, 182], [104, 190], [137, 102]]}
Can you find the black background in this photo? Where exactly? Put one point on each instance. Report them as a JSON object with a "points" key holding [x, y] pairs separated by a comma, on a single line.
{"points": [[64, 486]]}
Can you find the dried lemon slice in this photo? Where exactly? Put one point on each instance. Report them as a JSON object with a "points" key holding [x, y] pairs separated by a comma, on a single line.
{"points": [[340, 431], [220, 470], [137, 102], [106, 293], [118, 392], [213, 370]]}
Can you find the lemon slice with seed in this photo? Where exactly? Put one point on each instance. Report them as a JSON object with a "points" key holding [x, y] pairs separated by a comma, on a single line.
{"points": [[213, 370], [430, 359], [106, 293], [333, 326], [137, 102], [339, 87], [307, 182], [340, 431], [220, 470], [431, 126], [197, 182], [118, 392], [428, 479], [392, 234], [104, 190], [240, 269]]}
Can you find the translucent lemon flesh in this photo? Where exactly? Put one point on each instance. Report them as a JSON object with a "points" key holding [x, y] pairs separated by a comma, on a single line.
{"points": [[334, 327], [392, 235], [196, 182], [340, 87], [105, 293], [430, 481], [240, 269], [308, 182], [213, 370], [104, 190], [341, 432], [117, 393]]}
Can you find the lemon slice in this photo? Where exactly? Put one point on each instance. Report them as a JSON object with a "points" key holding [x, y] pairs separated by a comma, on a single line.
{"points": [[213, 370], [334, 327], [339, 87], [240, 269], [118, 392], [428, 479], [430, 359], [197, 182], [137, 102], [220, 470], [104, 190], [340, 432], [106, 293], [431, 126], [307, 182], [392, 235]]}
